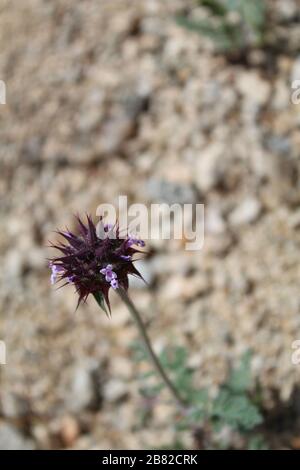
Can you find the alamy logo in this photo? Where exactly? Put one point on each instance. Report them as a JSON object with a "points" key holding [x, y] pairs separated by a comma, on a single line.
{"points": [[296, 354], [295, 97], [2, 92], [158, 221], [2, 353]]}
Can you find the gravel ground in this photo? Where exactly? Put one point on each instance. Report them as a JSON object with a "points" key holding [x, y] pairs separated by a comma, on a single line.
{"points": [[112, 97]]}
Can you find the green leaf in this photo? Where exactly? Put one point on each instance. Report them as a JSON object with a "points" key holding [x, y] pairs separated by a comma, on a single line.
{"points": [[236, 410], [234, 5], [201, 398], [139, 351], [214, 6], [151, 391], [254, 13], [146, 375], [240, 379], [257, 442], [229, 37], [184, 381], [219, 34], [174, 358], [100, 301]]}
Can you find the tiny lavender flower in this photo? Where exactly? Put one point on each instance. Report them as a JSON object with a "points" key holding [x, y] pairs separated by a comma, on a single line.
{"points": [[126, 257], [110, 276], [93, 261], [55, 270], [114, 283], [135, 241]]}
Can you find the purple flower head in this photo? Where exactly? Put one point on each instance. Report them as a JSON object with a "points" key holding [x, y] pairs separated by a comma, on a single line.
{"points": [[94, 261]]}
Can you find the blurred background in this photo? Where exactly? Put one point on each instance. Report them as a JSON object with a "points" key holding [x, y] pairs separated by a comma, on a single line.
{"points": [[162, 101]]}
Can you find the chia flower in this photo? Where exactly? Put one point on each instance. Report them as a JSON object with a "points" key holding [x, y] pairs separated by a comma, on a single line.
{"points": [[95, 261]]}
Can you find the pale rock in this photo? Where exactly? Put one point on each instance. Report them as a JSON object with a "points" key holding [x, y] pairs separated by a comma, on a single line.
{"points": [[122, 367], [14, 264], [13, 406], [82, 393], [185, 288], [163, 413], [295, 74], [170, 192], [294, 220], [287, 9], [210, 167], [254, 88], [41, 435], [246, 212], [115, 132], [12, 439], [282, 95], [214, 222], [114, 390], [280, 145], [69, 430], [218, 244], [89, 120]]}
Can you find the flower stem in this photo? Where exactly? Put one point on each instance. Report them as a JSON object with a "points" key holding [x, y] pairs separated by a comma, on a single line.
{"points": [[155, 361]]}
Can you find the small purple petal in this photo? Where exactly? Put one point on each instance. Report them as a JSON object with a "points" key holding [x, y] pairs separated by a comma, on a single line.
{"points": [[105, 270], [134, 241], [108, 273], [114, 283], [55, 268], [126, 257]]}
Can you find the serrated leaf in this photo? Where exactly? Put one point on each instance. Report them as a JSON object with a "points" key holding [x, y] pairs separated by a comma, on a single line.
{"points": [[230, 37], [240, 378], [236, 410], [221, 34], [174, 358]]}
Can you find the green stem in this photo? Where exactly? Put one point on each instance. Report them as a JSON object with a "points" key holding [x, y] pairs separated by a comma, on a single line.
{"points": [[155, 361]]}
